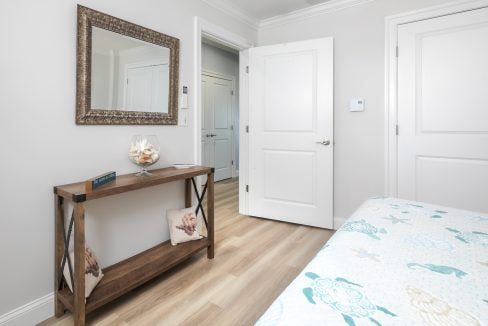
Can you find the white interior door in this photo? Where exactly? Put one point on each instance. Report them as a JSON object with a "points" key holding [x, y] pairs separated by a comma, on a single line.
{"points": [[443, 110], [217, 135], [291, 132]]}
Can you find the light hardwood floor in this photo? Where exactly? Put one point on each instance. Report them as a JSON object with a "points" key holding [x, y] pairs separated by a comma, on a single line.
{"points": [[255, 259]]}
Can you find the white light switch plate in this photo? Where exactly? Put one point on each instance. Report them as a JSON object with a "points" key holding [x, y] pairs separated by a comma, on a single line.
{"points": [[183, 118], [356, 105]]}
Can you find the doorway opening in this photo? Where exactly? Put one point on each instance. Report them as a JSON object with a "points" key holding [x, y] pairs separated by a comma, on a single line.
{"points": [[220, 109], [206, 34]]}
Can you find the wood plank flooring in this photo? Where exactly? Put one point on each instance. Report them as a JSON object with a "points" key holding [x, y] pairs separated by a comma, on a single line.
{"points": [[255, 260]]}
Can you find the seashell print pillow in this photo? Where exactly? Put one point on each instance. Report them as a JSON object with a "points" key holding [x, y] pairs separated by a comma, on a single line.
{"points": [[93, 272], [183, 225]]}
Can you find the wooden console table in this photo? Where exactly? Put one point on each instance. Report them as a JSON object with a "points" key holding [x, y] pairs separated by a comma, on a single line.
{"points": [[132, 272]]}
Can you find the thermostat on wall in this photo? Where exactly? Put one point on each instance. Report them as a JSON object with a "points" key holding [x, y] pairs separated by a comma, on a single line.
{"points": [[356, 105]]}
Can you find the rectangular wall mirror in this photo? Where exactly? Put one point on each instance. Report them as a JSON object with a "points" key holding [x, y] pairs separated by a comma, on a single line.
{"points": [[126, 74]]}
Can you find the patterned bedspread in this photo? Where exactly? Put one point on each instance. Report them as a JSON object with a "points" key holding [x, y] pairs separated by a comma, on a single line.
{"points": [[394, 262]]}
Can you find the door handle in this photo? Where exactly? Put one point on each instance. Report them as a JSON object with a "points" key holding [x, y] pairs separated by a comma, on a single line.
{"points": [[213, 135], [324, 142]]}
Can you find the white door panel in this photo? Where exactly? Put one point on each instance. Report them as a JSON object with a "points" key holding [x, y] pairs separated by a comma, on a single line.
{"points": [[160, 91], [444, 179], [443, 110], [223, 104], [139, 88], [290, 112], [206, 106], [289, 103], [278, 163]]}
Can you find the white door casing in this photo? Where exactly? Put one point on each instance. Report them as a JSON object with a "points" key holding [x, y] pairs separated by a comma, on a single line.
{"points": [[217, 117], [443, 110], [291, 132]]}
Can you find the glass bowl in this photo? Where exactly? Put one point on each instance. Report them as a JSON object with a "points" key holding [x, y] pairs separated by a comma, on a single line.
{"points": [[144, 152]]}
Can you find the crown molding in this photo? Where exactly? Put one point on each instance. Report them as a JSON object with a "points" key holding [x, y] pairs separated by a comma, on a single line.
{"points": [[235, 12], [319, 9]]}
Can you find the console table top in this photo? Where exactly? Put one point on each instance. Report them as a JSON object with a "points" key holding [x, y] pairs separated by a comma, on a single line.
{"points": [[76, 192]]}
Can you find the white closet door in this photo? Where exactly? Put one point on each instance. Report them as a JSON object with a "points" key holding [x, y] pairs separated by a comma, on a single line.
{"points": [[443, 110], [160, 89], [291, 132], [148, 88], [139, 89], [217, 137]]}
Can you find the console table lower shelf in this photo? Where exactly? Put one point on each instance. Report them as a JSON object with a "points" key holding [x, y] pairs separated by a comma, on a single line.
{"points": [[127, 275]]}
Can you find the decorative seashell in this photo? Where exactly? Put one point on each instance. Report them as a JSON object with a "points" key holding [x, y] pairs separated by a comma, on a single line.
{"points": [[143, 152]]}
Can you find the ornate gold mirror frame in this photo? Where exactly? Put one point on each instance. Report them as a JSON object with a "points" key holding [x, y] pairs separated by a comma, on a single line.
{"points": [[85, 115]]}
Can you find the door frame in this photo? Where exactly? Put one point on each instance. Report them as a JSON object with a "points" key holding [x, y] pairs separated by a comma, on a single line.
{"points": [[392, 24], [232, 79]]}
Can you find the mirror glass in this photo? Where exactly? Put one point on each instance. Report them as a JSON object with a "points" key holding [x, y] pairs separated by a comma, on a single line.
{"points": [[128, 74]]}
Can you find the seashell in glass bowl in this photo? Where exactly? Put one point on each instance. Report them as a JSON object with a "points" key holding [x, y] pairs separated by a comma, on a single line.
{"points": [[144, 152]]}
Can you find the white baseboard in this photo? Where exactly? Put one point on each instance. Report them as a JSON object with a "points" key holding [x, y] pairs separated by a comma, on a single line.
{"points": [[31, 313], [338, 221]]}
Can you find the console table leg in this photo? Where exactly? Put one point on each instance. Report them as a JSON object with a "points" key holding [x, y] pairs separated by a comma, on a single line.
{"points": [[58, 251], [79, 253], [210, 215], [187, 193]]}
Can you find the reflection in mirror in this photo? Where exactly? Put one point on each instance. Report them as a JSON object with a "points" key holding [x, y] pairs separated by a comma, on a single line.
{"points": [[128, 74]]}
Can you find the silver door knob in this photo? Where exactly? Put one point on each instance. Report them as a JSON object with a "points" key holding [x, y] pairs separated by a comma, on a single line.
{"points": [[324, 142]]}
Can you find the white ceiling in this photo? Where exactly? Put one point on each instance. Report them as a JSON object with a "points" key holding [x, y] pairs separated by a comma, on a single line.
{"points": [[262, 9]]}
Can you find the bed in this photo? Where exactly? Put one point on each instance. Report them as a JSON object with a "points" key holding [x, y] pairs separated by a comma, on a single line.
{"points": [[394, 262]]}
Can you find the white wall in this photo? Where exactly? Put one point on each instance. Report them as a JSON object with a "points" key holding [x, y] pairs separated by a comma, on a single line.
{"points": [[226, 63], [358, 32], [42, 146]]}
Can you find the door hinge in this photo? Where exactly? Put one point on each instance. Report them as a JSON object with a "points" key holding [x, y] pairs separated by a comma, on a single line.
{"points": [[232, 93], [232, 127], [247, 129], [247, 188], [397, 129], [232, 162], [396, 51], [247, 69]]}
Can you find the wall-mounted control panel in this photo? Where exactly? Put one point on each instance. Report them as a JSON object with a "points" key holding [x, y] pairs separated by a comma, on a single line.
{"points": [[356, 105]]}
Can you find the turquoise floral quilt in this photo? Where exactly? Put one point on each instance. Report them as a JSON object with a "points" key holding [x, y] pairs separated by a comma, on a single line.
{"points": [[394, 262]]}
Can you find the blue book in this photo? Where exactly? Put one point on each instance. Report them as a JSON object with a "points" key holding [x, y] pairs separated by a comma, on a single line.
{"points": [[100, 180]]}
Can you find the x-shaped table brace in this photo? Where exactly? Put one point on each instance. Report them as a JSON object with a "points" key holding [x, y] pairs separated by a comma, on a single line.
{"points": [[66, 256], [200, 199]]}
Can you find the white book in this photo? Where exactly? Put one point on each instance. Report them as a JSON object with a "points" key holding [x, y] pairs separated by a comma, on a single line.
{"points": [[183, 166]]}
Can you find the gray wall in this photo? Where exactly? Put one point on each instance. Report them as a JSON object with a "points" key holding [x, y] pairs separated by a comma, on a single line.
{"points": [[43, 147], [226, 63], [359, 35]]}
